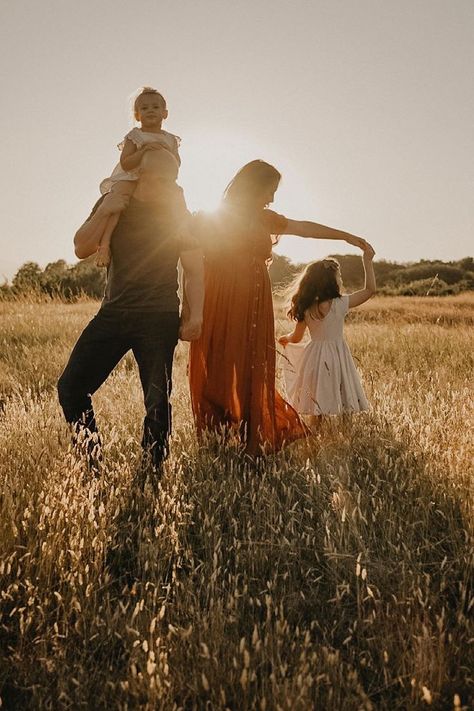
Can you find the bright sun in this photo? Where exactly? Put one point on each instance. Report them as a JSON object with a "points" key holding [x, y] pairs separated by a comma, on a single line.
{"points": [[209, 161], [208, 164]]}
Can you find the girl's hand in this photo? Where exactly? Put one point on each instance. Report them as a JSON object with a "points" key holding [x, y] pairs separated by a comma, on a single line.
{"points": [[284, 340]]}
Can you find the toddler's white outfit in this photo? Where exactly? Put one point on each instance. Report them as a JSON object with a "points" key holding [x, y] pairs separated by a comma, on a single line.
{"points": [[140, 138]]}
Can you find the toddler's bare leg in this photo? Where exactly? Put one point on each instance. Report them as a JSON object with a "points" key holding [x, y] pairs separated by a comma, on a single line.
{"points": [[104, 254], [123, 187]]}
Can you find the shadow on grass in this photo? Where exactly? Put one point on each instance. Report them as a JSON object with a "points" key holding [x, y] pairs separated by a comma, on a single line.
{"points": [[352, 537]]}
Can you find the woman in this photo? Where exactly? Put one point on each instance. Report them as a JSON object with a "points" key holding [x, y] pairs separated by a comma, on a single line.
{"points": [[232, 364]]}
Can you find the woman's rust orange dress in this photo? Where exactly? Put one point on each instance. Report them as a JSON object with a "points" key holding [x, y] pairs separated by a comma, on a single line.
{"points": [[232, 365]]}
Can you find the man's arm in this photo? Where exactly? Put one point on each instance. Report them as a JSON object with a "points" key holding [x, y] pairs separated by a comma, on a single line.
{"points": [[88, 236], [192, 262]]}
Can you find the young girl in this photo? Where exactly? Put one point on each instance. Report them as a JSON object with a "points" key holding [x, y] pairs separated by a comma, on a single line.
{"points": [[322, 379], [150, 111]]}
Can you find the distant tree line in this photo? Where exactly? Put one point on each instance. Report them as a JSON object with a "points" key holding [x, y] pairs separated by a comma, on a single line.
{"points": [[57, 279], [424, 278]]}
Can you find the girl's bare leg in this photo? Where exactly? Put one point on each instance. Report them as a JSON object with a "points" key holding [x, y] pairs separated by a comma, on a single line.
{"points": [[123, 187]]}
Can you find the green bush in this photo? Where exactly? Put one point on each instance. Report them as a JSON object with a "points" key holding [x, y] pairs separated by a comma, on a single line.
{"points": [[426, 287], [58, 280]]}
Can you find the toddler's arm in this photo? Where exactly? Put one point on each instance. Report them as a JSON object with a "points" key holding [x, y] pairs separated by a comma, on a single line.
{"points": [[294, 337], [175, 151], [359, 297], [131, 156]]}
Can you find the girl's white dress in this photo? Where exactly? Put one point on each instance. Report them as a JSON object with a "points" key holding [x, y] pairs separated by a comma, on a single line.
{"points": [[139, 138], [321, 377]]}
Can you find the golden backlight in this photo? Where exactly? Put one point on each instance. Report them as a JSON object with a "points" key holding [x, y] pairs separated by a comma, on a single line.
{"points": [[209, 161]]}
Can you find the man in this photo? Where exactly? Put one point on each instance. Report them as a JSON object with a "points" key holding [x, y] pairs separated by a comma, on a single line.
{"points": [[140, 309]]}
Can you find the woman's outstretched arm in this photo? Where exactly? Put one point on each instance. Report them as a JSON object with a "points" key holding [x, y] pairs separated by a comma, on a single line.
{"points": [[312, 230]]}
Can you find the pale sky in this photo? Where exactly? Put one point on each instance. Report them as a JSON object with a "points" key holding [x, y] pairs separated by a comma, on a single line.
{"points": [[365, 106]]}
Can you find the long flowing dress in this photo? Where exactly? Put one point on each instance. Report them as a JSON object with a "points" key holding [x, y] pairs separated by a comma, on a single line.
{"points": [[232, 365]]}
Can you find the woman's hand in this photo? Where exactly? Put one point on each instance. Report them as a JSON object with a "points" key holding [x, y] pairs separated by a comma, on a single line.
{"points": [[357, 241], [284, 340]]}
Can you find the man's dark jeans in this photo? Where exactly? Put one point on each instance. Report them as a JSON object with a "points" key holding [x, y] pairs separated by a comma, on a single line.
{"points": [[152, 337]]}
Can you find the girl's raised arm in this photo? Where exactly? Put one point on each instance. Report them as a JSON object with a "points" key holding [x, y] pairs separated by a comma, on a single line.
{"points": [[312, 230], [359, 297]]}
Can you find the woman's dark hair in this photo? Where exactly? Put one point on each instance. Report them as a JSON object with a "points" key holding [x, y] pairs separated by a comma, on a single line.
{"points": [[252, 179], [319, 282]]}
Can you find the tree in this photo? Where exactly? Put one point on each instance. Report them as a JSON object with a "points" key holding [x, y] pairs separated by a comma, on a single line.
{"points": [[429, 270], [466, 264], [282, 270], [86, 278], [27, 278], [59, 279], [54, 276]]}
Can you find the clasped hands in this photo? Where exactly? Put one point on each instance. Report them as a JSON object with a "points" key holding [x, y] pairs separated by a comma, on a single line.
{"points": [[190, 330]]}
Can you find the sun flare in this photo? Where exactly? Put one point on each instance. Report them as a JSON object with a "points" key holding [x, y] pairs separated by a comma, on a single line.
{"points": [[209, 161]]}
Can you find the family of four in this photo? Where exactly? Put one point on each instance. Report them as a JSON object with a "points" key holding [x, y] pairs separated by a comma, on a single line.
{"points": [[140, 228]]}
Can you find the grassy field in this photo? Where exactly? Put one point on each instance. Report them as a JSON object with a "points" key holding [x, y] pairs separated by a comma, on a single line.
{"points": [[336, 576]]}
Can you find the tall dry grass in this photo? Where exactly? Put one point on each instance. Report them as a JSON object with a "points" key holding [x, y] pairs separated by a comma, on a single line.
{"points": [[336, 575]]}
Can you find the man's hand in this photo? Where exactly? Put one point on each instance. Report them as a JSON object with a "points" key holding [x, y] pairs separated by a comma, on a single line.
{"points": [[112, 204], [190, 330]]}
